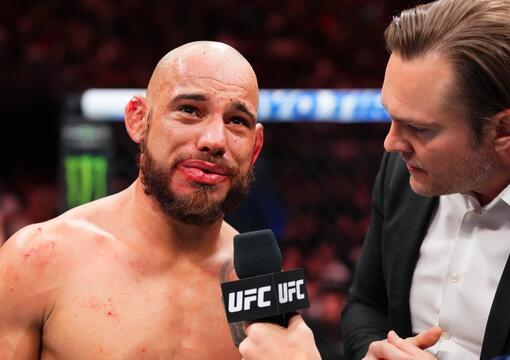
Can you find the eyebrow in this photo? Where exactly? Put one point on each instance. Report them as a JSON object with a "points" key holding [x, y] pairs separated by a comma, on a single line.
{"points": [[196, 97], [241, 107]]}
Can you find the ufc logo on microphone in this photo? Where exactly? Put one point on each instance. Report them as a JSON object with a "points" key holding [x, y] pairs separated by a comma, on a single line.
{"points": [[287, 290], [265, 295], [242, 300]]}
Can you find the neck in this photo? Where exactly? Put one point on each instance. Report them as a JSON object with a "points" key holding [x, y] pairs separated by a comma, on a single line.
{"points": [[167, 234], [498, 184]]}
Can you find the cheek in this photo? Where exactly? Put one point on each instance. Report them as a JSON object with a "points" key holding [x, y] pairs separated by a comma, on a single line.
{"points": [[242, 150], [164, 142], [440, 162], [433, 152]]}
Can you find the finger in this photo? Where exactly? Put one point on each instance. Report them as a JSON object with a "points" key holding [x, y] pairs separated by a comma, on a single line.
{"points": [[369, 357], [407, 346], [426, 338], [244, 347], [295, 320], [248, 326], [385, 350], [254, 328]]}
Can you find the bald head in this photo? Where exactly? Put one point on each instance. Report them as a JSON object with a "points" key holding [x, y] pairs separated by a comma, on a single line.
{"points": [[197, 131], [202, 59]]}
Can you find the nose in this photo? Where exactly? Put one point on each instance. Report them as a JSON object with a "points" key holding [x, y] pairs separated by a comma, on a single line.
{"points": [[395, 140], [212, 138]]}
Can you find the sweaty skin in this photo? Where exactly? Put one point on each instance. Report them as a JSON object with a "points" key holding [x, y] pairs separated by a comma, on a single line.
{"points": [[118, 278]]}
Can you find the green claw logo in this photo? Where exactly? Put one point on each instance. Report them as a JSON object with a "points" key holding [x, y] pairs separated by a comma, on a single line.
{"points": [[86, 178]]}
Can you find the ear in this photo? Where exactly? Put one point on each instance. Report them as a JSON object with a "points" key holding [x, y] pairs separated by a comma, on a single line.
{"points": [[135, 118], [259, 141], [502, 133]]}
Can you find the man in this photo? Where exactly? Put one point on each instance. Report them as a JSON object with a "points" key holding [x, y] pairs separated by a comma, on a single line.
{"points": [[136, 275], [435, 256]]}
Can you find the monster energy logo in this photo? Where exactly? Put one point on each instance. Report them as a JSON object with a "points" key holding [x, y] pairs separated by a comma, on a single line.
{"points": [[86, 178]]}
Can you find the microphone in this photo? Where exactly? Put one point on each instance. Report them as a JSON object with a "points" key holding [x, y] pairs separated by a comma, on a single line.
{"points": [[264, 292]]}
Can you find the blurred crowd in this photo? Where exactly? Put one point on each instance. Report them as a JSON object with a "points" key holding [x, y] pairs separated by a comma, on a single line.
{"points": [[318, 176], [61, 46], [324, 175]]}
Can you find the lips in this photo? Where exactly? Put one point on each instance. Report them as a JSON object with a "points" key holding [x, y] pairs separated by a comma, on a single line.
{"points": [[203, 172], [412, 168]]}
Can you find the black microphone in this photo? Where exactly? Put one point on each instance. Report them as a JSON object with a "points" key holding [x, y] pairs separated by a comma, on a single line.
{"points": [[264, 292]]}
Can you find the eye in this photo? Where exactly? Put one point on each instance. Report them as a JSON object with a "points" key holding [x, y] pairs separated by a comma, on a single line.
{"points": [[188, 109], [239, 121], [423, 133], [418, 129]]}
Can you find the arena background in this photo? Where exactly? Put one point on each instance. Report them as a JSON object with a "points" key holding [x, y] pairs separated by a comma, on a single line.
{"points": [[314, 177]]}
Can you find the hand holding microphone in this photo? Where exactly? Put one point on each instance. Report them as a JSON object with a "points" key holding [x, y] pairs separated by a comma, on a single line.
{"points": [[273, 342], [268, 298]]}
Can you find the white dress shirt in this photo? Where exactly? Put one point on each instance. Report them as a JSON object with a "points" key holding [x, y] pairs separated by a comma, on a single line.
{"points": [[461, 261]]}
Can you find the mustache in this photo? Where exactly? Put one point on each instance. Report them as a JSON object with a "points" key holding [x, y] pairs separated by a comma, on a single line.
{"points": [[414, 163]]}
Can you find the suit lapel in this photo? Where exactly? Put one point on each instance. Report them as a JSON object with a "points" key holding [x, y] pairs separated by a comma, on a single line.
{"points": [[412, 230], [498, 324]]}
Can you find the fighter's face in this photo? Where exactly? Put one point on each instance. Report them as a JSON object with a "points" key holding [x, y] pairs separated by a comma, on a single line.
{"points": [[201, 144], [434, 140]]}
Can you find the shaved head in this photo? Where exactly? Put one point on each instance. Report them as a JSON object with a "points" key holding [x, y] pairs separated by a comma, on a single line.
{"points": [[198, 131], [208, 59]]}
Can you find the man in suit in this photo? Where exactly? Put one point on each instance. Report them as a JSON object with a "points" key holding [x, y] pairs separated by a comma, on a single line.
{"points": [[434, 262]]}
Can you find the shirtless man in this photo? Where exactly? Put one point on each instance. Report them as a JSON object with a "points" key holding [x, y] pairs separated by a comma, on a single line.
{"points": [[136, 275]]}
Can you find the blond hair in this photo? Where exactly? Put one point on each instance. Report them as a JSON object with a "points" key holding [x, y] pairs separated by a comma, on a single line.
{"points": [[474, 35]]}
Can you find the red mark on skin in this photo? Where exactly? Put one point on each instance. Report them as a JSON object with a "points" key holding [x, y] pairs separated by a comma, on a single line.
{"points": [[27, 254], [39, 256], [111, 314], [132, 105], [100, 350], [96, 304]]}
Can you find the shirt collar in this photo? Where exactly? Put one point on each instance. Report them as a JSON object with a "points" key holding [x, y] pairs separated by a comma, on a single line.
{"points": [[471, 201], [505, 195]]}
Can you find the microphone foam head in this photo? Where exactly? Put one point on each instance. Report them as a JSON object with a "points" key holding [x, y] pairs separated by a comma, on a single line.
{"points": [[256, 253]]}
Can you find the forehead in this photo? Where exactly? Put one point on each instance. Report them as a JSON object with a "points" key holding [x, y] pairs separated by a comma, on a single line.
{"points": [[215, 75], [417, 88]]}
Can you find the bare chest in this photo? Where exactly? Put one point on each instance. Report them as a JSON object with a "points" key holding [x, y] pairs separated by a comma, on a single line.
{"points": [[116, 315]]}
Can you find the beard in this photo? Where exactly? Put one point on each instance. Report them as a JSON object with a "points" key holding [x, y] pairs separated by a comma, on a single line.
{"points": [[467, 173], [199, 208]]}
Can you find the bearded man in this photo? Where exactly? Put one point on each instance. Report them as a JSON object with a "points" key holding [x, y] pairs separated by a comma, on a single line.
{"points": [[136, 274]]}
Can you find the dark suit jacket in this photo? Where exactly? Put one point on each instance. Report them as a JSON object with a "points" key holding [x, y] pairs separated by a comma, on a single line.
{"points": [[379, 297]]}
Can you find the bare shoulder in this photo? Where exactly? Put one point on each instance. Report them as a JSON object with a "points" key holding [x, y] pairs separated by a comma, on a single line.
{"points": [[28, 278], [40, 259], [37, 265], [48, 247], [23, 306]]}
